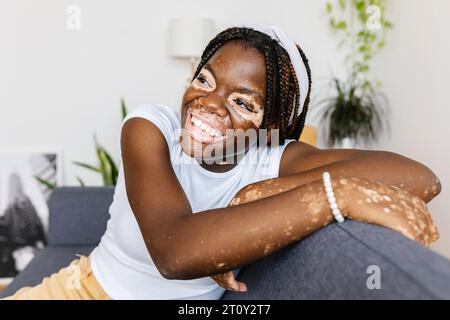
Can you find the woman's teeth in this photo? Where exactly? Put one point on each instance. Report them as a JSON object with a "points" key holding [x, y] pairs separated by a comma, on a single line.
{"points": [[209, 130]]}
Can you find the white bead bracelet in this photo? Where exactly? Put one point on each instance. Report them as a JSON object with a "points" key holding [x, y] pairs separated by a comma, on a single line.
{"points": [[331, 198]]}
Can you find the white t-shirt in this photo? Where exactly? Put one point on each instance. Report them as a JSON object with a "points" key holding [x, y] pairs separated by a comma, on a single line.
{"points": [[121, 262]]}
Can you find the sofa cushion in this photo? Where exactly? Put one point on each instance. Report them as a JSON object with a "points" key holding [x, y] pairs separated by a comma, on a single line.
{"points": [[78, 216], [334, 262]]}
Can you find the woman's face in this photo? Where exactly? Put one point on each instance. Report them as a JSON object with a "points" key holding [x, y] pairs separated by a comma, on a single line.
{"points": [[227, 95]]}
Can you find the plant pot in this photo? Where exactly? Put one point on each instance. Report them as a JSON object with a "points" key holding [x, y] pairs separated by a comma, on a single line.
{"points": [[346, 143]]}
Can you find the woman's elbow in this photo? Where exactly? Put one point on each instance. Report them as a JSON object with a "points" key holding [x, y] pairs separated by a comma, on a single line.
{"points": [[166, 271], [435, 187], [431, 185], [167, 266], [424, 176], [171, 272], [172, 266]]}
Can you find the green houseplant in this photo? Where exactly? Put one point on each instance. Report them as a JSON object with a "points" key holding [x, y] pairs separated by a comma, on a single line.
{"points": [[355, 113], [106, 165]]}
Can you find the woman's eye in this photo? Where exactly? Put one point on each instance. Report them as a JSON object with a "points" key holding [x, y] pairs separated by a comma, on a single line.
{"points": [[241, 103], [202, 80]]}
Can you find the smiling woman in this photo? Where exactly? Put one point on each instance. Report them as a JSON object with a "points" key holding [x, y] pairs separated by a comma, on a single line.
{"points": [[227, 95], [181, 226]]}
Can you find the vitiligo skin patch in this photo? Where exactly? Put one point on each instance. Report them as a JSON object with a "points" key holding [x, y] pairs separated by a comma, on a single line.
{"points": [[372, 202], [392, 203]]}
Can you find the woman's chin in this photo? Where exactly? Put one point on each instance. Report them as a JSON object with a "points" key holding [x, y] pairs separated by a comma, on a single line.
{"points": [[201, 150]]}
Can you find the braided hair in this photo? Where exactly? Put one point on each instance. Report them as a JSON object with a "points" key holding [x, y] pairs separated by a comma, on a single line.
{"points": [[281, 82]]}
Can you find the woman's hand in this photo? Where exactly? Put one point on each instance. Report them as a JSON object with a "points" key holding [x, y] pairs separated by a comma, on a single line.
{"points": [[388, 206], [228, 281]]}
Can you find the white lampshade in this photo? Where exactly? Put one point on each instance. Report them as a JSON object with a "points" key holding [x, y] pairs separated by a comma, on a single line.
{"points": [[188, 37]]}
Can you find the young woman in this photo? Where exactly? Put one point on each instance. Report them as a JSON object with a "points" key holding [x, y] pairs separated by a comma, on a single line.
{"points": [[187, 211]]}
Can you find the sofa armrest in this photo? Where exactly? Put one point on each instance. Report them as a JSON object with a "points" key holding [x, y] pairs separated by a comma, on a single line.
{"points": [[78, 215], [340, 260]]}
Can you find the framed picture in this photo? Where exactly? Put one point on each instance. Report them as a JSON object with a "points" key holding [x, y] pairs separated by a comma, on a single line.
{"points": [[27, 178]]}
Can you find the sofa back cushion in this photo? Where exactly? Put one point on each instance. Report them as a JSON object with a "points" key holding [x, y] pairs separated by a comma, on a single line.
{"points": [[78, 215]]}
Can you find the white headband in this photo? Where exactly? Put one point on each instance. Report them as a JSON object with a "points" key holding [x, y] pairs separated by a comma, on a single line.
{"points": [[289, 45]]}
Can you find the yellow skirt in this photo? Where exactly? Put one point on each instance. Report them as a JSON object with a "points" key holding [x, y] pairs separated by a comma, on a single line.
{"points": [[75, 282]]}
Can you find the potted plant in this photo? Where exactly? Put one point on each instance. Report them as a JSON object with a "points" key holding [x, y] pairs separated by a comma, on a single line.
{"points": [[105, 166], [355, 113]]}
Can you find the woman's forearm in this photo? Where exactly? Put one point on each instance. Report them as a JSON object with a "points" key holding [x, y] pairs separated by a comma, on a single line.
{"points": [[219, 240], [391, 169], [269, 215], [383, 167]]}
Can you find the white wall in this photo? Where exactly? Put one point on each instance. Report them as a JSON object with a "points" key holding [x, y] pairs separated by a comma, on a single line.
{"points": [[59, 86]]}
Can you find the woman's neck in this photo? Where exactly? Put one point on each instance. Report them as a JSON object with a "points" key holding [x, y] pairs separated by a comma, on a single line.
{"points": [[218, 168], [226, 165]]}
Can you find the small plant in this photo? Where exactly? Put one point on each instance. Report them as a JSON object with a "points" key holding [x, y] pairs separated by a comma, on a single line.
{"points": [[357, 109], [352, 114], [105, 166]]}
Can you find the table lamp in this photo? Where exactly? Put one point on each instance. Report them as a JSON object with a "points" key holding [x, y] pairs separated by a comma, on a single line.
{"points": [[188, 38]]}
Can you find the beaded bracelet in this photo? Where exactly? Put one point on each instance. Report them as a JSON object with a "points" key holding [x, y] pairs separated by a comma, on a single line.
{"points": [[331, 198]]}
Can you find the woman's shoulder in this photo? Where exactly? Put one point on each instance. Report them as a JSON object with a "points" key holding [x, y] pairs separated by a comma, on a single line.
{"points": [[152, 110], [164, 117]]}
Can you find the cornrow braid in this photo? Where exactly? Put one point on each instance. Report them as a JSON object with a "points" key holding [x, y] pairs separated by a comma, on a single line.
{"points": [[269, 88], [285, 108], [281, 82], [298, 124]]}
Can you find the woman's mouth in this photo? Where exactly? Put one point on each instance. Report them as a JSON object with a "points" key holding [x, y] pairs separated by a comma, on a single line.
{"points": [[203, 130]]}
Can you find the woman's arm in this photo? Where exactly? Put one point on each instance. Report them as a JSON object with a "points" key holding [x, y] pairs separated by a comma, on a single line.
{"points": [[241, 234], [219, 240], [376, 192], [308, 162], [362, 166], [185, 245]]}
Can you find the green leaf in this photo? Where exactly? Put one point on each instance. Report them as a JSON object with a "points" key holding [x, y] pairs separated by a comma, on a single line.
{"points": [[80, 181], [362, 34], [364, 49], [114, 171], [108, 168], [332, 23], [329, 7], [123, 108], [87, 166], [104, 165], [361, 5], [388, 25], [341, 25], [47, 183]]}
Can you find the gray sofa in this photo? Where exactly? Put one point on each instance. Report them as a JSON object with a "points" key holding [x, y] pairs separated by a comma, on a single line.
{"points": [[337, 262]]}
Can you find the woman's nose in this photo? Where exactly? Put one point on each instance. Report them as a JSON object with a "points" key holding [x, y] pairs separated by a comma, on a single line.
{"points": [[214, 103]]}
